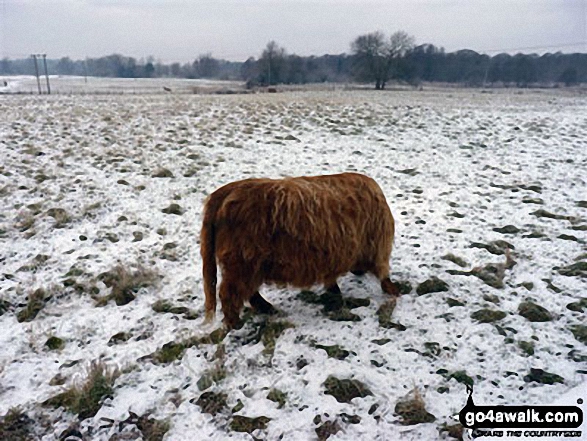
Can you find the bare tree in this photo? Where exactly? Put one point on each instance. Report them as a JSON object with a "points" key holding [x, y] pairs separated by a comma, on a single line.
{"points": [[65, 66], [176, 70], [369, 52], [272, 64], [206, 66], [398, 45], [376, 57]]}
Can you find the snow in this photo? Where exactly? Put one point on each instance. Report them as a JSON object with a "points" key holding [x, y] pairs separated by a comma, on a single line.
{"points": [[572, 397], [71, 84], [466, 146]]}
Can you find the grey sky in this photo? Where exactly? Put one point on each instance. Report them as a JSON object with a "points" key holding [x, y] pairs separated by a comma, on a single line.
{"points": [[179, 30]]}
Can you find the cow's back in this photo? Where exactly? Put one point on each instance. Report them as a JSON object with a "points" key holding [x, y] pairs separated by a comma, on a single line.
{"points": [[304, 230]]}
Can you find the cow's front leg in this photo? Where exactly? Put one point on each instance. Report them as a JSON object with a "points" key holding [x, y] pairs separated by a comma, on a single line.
{"points": [[332, 287]]}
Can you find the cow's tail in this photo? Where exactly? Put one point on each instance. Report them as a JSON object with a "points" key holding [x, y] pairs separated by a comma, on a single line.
{"points": [[208, 252]]}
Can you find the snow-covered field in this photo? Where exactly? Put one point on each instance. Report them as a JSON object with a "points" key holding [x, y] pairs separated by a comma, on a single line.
{"points": [[69, 84], [88, 186]]}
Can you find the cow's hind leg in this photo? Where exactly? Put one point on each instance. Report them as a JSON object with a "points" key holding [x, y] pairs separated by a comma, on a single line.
{"points": [[260, 305], [361, 268], [382, 273], [232, 296], [389, 287]]}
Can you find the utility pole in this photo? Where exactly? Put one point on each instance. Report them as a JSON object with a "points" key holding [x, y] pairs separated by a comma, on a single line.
{"points": [[269, 71], [37, 72], [486, 72], [46, 74]]}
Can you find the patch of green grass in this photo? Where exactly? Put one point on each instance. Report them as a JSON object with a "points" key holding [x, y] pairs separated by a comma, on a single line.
{"points": [[327, 429], [215, 337], [278, 397], [54, 343], [385, 312], [173, 209], [508, 229], [237, 407], [58, 380], [412, 409], [88, 210], [16, 426], [462, 377], [152, 429], [381, 341], [432, 285], [488, 315], [543, 377], [25, 221], [432, 349], [162, 173], [212, 402], [497, 247], [35, 303], [452, 430], [575, 306], [334, 351], [343, 314], [74, 272], [491, 298], [85, 400], [119, 337], [577, 356], [534, 312], [527, 347], [174, 350], [578, 269], [271, 332], [125, 283], [309, 297], [335, 306], [267, 332], [61, 217], [4, 306], [546, 214], [166, 307], [456, 260], [454, 302], [211, 377], [37, 262], [404, 286], [170, 352], [580, 333], [241, 423], [346, 389]]}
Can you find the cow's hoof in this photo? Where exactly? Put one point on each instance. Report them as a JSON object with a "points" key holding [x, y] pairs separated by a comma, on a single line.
{"points": [[390, 288], [233, 323]]}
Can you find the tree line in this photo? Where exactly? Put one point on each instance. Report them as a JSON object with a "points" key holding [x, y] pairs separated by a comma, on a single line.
{"points": [[374, 58], [120, 66]]}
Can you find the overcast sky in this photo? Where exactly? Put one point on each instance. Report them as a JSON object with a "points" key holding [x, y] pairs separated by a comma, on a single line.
{"points": [[180, 30]]}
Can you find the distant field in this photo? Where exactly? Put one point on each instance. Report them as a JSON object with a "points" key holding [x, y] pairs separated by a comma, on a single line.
{"points": [[99, 261], [95, 85]]}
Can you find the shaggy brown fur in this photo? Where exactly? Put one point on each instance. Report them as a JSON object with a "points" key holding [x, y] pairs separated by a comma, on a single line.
{"points": [[296, 231]]}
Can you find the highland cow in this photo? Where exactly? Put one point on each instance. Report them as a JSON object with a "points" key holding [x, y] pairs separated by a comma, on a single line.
{"points": [[293, 231]]}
